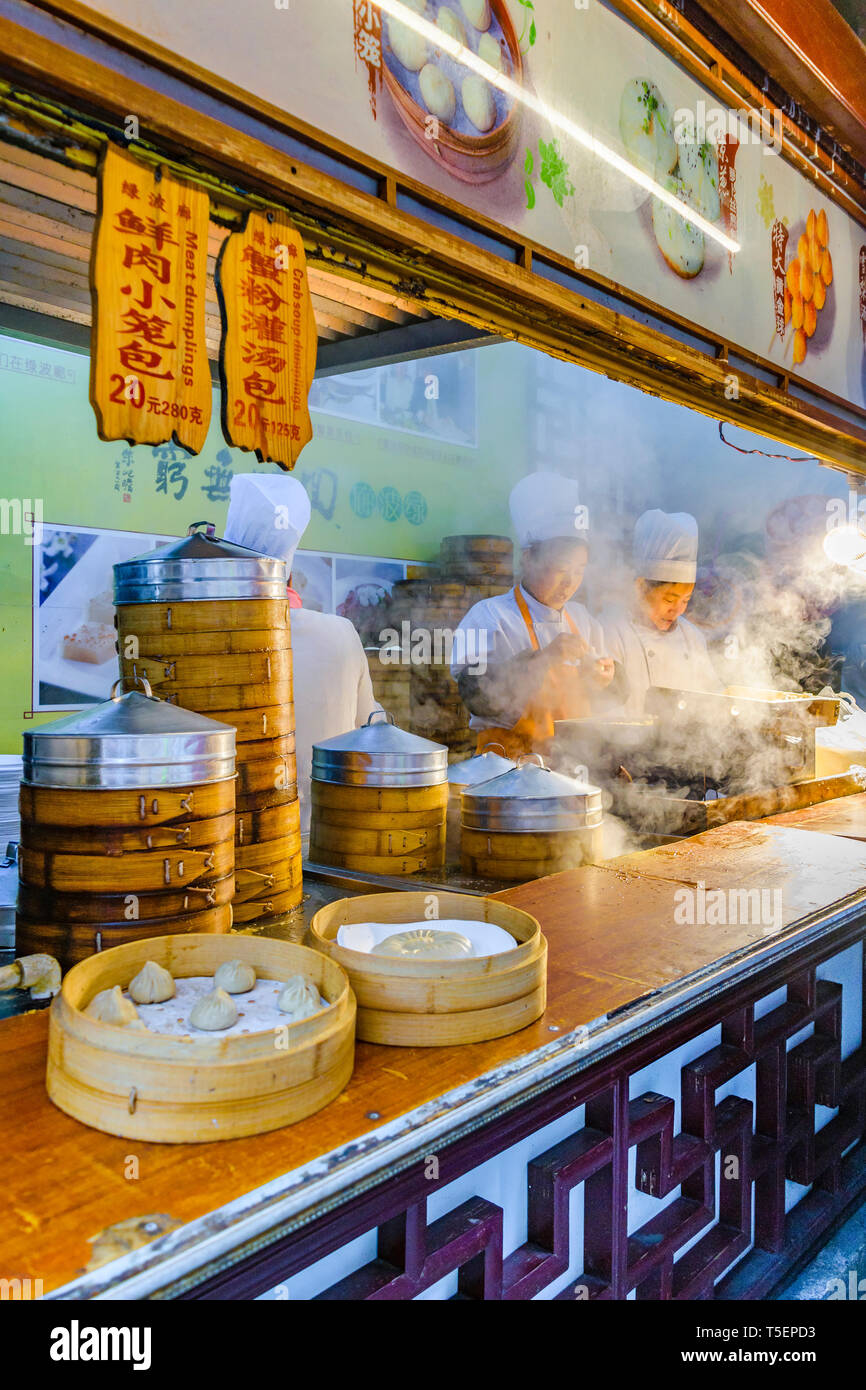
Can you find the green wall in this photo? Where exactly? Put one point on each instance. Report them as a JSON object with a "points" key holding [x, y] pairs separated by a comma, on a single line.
{"points": [[50, 450]]}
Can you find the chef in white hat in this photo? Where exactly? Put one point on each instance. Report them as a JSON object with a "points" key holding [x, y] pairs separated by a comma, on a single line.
{"points": [[332, 689], [537, 655], [652, 641]]}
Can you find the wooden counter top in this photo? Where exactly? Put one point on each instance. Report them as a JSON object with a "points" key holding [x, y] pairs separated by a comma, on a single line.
{"points": [[845, 816], [613, 936]]}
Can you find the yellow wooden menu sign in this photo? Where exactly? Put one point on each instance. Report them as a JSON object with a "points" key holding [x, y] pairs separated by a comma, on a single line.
{"points": [[150, 380], [269, 341]]}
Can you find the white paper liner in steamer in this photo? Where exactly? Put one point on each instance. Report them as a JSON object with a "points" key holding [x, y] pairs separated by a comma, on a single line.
{"points": [[487, 939], [257, 1009]]}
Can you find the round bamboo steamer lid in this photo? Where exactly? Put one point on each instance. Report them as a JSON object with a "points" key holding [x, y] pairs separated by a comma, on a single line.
{"points": [[101, 840], [251, 827], [128, 873], [263, 722], [42, 903], [345, 798], [149, 1086], [266, 774], [265, 800], [406, 1003], [156, 646], [378, 864], [264, 910], [183, 672], [213, 699], [271, 855], [475, 545], [378, 820], [71, 942], [223, 615], [140, 806], [352, 840]]}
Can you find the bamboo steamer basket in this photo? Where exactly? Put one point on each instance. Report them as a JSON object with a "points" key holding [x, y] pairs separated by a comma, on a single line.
{"points": [[529, 822], [147, 806], [384, 800], [86, 872], [270, 856], [127, 872], [102, 840], [154, 619], [114, 908], [327, 816], [174, 674], [159, 646], [251, 827], [72, 942], [150, 1086], [272, 905], [427, 1003], [352, 774], [230, 601], [470, 772]]}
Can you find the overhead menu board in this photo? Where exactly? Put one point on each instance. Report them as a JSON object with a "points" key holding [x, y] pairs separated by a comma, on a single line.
{"points": [[565, 124], [269, 342], [150, 379]]}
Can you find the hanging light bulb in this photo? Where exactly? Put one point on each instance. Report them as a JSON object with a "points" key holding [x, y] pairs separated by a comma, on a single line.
{"points": [[846, 545]]}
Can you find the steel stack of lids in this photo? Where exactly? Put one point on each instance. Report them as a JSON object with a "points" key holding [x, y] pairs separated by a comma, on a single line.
{"points": [[200, 566], [129, 741], [530, 797], [379, 754], [480, 768]]}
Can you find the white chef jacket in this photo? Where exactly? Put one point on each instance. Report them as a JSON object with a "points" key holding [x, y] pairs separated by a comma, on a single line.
{"points": [[677, 658], [498, 622], [333, 693]]}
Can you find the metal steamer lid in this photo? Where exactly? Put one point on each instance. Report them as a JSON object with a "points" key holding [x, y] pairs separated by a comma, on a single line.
{"points": [[200, 566], [482, 767], [532, 798], [380, 754], [129, 741]]}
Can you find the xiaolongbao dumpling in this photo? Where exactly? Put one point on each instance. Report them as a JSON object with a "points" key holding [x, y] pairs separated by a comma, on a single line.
{"points": [[490, 50], [477, 12], [478, 102], [214, 1011], [438, 92], [109, 1006], [408, 48], [152, 985], [299, 998], [234, 976], [451, 24]]}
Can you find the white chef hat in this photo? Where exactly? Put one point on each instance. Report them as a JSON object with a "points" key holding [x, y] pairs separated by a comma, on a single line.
{"points": [[268, 512], [545, 507], [666, 546]]}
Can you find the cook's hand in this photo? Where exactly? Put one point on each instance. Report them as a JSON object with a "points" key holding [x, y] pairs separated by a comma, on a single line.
{"points": [[567, 647], [603, 670]]}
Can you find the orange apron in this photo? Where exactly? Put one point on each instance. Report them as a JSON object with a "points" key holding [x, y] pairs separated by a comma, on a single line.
{"points": [[562, 696]]}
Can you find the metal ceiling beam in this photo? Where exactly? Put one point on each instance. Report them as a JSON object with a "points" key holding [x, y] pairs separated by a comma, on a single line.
{"points": [[428, 338]]}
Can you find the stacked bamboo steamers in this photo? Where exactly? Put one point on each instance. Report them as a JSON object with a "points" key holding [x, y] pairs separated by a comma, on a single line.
{"points": [[529, 822], [378, 800], [207, 622], [127, 827]]}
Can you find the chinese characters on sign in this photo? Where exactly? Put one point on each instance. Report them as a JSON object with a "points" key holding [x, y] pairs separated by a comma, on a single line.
{"points": [[726, 151], [368, 45], [268, 352], [863, 293], [778, 243], [150, 380]]}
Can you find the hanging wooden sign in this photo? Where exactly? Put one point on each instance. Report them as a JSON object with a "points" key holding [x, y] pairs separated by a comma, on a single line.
{"points": [[150, 381], [269, 341]]}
